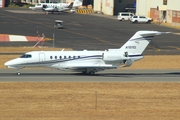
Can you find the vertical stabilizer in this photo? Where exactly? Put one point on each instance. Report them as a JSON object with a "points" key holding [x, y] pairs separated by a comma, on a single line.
{"points": [[139, 41], [77, 3]]}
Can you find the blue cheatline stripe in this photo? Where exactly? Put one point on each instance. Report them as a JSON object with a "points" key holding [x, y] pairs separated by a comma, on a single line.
{"points": [[64, 60], [72, 59], [143, 38], [136, 55]]}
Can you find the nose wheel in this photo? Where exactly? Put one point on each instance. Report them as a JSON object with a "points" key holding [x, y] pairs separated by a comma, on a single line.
{"points": [[18, 72], [91, 73]]}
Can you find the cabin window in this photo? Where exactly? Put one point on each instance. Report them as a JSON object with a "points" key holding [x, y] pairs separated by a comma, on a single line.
{"points": [[69, 57], [74, 57], [51, 57], [26, 56], [64, 57], [78, 56], [55, 57], [60, 57]]}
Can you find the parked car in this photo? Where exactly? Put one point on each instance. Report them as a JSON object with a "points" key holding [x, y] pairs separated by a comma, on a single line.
{"points": [[122, 16], [140, 19]]}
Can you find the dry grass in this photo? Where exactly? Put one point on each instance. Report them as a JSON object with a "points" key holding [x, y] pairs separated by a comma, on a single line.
{"points": [[158, 62], [77, 101], [27, 49]]}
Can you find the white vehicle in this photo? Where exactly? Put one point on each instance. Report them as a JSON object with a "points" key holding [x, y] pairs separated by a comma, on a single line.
{"points": [[87, 62], [58, 24], [122, 16], [41, 6], [140, 19]]}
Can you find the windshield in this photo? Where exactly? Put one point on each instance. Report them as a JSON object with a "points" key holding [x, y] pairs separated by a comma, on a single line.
{"points": [[26, 56]]}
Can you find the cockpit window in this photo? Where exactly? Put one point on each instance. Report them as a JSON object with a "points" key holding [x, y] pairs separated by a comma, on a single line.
{"points": [[26, 56]]}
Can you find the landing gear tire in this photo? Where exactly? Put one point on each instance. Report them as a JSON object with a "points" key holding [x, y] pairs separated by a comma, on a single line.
{"points": [[18, 73], [84, 72], [135, 21], [148, 21], [91, 73]]}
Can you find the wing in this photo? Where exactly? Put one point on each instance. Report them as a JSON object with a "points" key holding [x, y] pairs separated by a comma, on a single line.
{"points": [[95, 67], [62, 9]]}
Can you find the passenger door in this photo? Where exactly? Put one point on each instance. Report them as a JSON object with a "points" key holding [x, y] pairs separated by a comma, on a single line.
{"points": [[41, 57]]}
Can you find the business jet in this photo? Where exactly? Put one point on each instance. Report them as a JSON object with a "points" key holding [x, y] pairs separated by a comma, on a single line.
{"points": [[62, 8], [42, 6], [87, 62]]}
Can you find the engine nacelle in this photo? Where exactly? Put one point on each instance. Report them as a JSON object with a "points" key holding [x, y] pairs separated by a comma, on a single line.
{"points": [[113, 56], [128, 63]]}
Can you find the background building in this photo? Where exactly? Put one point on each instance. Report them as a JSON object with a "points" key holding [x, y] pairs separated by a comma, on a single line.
{"points": [[112, 7], [160, 10], [2, 3]]}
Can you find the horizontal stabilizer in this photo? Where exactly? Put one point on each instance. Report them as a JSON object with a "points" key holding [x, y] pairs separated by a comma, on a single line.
{"points": [[153, 33]]}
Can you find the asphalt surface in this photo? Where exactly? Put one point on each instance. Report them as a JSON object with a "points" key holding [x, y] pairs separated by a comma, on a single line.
{"points": [[91, 32], [48, 75]]}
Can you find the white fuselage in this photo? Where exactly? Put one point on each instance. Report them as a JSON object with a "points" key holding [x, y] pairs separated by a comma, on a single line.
{"points": [[71, 60], [39, 6]]}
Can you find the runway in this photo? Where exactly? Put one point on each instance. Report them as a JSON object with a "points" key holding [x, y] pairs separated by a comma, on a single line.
{"points": [[123, 75]]}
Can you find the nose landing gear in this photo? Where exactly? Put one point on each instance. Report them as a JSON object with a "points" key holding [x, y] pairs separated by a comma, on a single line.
{"points": [[18, 72]]}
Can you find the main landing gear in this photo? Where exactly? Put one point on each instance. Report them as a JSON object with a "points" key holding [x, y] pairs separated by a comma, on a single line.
{"points": [[88, 72]]}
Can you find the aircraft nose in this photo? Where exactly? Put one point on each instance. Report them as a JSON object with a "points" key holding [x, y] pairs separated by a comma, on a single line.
{"points": [[12, 63], [7, 63]]}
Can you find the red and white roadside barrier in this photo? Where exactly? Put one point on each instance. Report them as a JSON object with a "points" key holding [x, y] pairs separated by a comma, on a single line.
{"points": [[19, 38]]}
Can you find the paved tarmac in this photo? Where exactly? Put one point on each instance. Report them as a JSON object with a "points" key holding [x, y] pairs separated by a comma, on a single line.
{"points": [[91, 32], [123, 75]]}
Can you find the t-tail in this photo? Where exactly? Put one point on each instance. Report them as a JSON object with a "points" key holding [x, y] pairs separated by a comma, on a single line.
{"points": [[71, 5], [136, 45], [139, 41]]}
